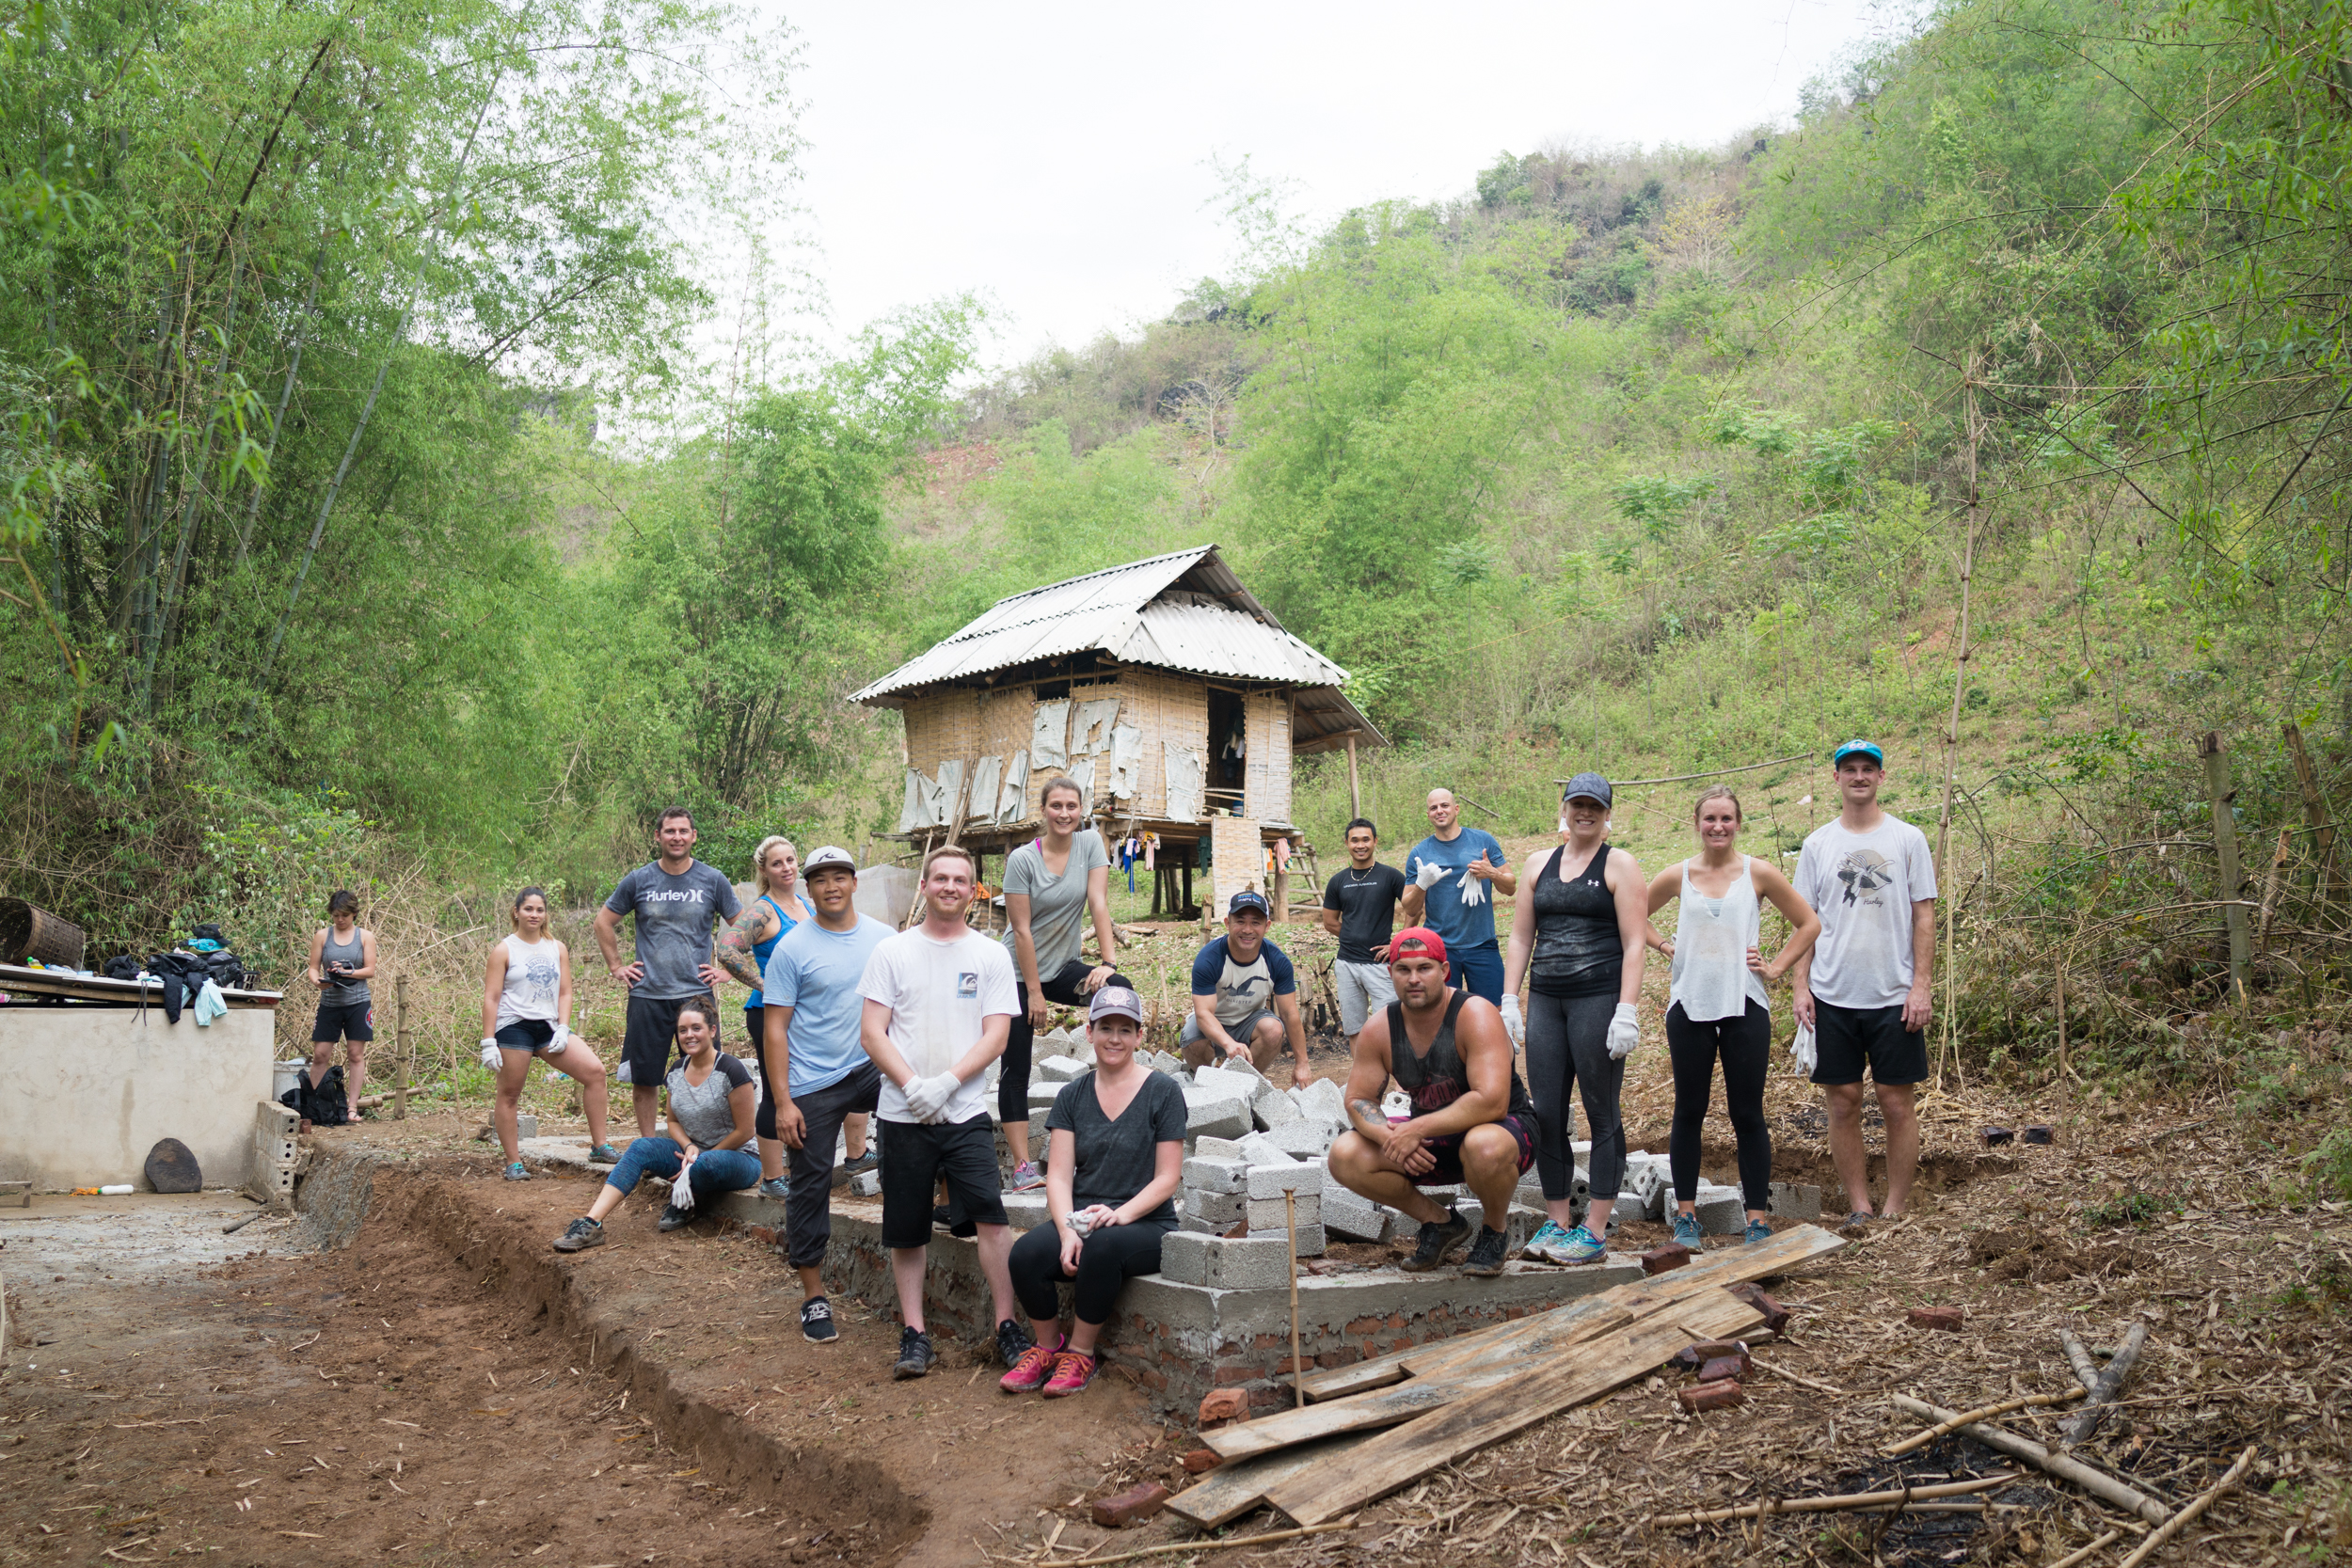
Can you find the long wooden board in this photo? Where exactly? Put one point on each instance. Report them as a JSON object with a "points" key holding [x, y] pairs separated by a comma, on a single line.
{"points": [[1789, 1249], [1230, 1491], [1394, 1458], [24, 980]]}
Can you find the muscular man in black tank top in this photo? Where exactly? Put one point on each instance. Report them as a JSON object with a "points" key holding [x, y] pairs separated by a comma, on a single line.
{"points": [[1472, 1123]]}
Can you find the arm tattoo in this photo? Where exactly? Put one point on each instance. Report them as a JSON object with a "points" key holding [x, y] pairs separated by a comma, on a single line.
{"points": [[1370, 1110]]}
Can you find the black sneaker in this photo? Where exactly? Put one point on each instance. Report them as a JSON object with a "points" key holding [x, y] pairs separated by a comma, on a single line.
{"points": [[816, 1322], [1487, 1254], [953, 1223], [859, 1166], [581, 1235], [1439, 1240], [1011, 1340], [915, 1355], [674, 1218]]}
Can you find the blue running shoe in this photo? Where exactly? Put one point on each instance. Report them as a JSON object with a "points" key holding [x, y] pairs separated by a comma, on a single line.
{"points": [[1551, 1233], [1757, 1231], [1687, 1231], [776, 1187], [1581, 1247]]}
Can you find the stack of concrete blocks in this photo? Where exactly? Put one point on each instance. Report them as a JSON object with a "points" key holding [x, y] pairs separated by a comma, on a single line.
{"points": [[1214, 1192], [1272, 1213], [1243, 1263], [1217, 1105]]}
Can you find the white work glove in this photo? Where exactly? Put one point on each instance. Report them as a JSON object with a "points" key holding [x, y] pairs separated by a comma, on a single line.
{"points": [[1512, 1021], [682, 1190], [557, 1041], [1473, 888], [490, 1053], [928, 1096], [1625, 1031], [1429, 876], [1800, 1050]]}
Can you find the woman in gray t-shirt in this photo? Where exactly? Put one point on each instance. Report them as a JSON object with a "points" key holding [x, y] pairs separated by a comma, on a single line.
{"points": [[1051, 883], [711, 1106]]}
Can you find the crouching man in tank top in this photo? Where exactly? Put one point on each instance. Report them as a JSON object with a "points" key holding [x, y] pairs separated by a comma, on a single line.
{"points": [[1472, 1123]]}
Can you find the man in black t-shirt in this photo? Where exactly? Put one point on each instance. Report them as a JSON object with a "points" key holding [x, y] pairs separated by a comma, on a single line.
{"points": [[1359, 908]]}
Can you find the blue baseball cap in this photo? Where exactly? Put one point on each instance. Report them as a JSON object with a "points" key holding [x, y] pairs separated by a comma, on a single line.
{"points": [[1248, 898], [1588, 785], [1858, 748]]}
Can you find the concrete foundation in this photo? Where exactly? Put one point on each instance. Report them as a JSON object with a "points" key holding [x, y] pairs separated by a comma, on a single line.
{"points": [[87, 1091]]}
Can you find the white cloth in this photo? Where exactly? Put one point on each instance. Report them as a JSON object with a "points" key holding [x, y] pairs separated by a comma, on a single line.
{"points": [[1625, 1031], [1800, 1050], [1512, 1021], [1863, 886], [1711, 977], [939, 995], [534, 979]]}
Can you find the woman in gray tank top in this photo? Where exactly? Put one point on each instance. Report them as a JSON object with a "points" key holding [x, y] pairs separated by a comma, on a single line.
{"points": [[342, 957]]}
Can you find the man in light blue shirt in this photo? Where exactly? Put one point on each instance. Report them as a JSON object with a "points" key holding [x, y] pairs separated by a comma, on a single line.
{"points": [[810, 1048], [1451, 878]]}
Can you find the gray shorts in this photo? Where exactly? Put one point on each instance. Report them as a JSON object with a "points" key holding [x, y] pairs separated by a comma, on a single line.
{"points": [[1242, 1031], [1364, 990]]}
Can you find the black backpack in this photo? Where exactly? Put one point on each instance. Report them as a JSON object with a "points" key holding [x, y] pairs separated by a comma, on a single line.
{"points": [[324, 1104]]}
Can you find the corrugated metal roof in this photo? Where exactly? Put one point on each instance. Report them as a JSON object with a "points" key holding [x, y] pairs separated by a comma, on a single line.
{"points": [[1215, 641]]}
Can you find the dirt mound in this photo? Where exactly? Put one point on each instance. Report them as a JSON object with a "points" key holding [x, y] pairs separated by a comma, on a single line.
{"points": [[2025, 1254]]}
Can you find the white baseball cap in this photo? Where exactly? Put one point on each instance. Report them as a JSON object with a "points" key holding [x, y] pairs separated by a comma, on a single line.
{"points": [[829, 855]]}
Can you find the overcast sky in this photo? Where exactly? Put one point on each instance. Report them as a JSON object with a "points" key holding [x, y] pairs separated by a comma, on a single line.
{"points": [[1058, 157]]}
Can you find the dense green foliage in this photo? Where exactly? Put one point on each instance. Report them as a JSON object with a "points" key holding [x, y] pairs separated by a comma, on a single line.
{"points": [[1653, 462]]}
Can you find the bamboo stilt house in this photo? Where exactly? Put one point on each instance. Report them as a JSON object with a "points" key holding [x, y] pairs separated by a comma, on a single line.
{"points": [[1170, 695]]}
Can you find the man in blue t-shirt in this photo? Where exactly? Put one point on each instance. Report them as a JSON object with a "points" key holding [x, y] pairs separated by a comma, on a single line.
{"points": [[1453, 877], [676, 901], [811, 1047], [1244, 995]]}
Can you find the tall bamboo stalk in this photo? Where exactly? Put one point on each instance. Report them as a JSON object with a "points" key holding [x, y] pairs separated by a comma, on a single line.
{"points": [[1974, 427]]}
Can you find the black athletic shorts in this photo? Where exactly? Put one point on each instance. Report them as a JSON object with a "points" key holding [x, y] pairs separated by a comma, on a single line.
{"points": [[1448, 1171], [652, 1032], [916, 1155], [351, 1020], [1847, 1039]]}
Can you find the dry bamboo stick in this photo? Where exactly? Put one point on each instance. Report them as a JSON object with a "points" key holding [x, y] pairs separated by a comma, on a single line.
{"points": [[1209, 1546], [2180, 1521], [2071, 1558], [1839, 1504], [2085, 1369], [1803, 1381], [2089, 1478], [2086, 1421], [1982, 1413]]}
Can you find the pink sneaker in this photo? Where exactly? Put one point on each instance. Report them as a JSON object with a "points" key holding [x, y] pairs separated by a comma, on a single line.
{"points": [[1028, 1374], [1071, 1373], [1026, 1176]]}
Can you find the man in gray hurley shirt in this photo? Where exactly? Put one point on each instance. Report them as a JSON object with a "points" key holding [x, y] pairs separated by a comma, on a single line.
{"points": [[677, 900]]}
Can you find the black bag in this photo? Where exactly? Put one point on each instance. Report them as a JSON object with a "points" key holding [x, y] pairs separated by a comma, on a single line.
{"points": [[229, 972], [324, 1104], [123, 966]]}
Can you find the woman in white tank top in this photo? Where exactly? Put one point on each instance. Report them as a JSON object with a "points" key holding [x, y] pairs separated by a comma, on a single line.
{"points": [[526, 998], [1719, 1006]]}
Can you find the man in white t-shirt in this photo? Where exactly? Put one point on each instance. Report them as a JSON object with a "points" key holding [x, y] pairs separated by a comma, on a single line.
{"points": [[940, 999], [1864, 986]]}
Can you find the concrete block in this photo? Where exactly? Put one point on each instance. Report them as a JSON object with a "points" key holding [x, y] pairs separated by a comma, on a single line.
{"points": [[1521, 1222], [1272, 1108], [1202, 1225], [1059, 1070], [866, 1183], [1720, 1211], [1259, 1148], [1209, 1116], [1217, 1210], [1796, 1200], [1302, 1139], [1043, 1093], [1323, 1101], [1267, 1214], [1217, 1149], [1252, 1263], [1351, 1216], [1026, 1210], [1185, 1257], [1272, 1180], [1215, 1176], [1160, 1061], [1312, 1240], [1228, 1084]]}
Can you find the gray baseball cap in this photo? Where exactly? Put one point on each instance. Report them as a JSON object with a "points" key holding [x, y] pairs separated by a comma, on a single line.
{"points": [[829, 855], [1115, 1002], [1592, 786]]}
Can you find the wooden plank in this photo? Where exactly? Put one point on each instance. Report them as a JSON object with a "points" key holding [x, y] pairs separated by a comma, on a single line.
{"points": [[1402, 1454], [1230, 1491], [1382, 1407], [25, 980]]}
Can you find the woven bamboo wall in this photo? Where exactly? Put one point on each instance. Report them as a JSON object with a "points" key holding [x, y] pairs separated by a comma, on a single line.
{"points": [[965, 724], [1266, 718]]}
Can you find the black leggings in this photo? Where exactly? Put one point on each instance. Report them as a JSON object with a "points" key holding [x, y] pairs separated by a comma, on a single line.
{"points": [[1745, 1044], [1107, 1258], [1567, 1047], [1012, 1079]]}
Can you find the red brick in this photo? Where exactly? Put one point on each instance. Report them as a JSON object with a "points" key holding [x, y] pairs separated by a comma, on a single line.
{"points": [[1202, 1459], [1720, 1395], [1223, 1405], [1735, 1367], [1775, 1315], [1397, 1323], [1363, 1327], [1948, 1319], [1693, 1356], [1132, 1507], [1658, 1259]]}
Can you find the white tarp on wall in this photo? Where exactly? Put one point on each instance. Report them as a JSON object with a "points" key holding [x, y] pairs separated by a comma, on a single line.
{"points": [[1014, 794], [985, 775], [1187, 775], [1048, 735], [1082, 772], [1094, 726], [943, 792], [915, 810], [1126, 761]]}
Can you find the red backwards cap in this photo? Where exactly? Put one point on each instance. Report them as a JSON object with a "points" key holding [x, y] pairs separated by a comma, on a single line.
{"points": [[1416, 941]]}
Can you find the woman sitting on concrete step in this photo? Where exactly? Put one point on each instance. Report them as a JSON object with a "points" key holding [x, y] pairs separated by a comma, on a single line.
{"points": [[1117, 1153], [711, 1109]]}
